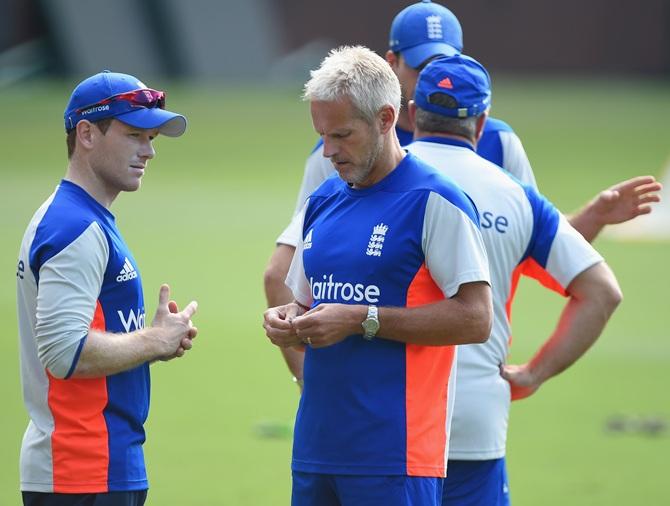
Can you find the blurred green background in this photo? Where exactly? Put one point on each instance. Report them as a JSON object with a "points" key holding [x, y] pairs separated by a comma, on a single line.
{"points": [[205, 221]]}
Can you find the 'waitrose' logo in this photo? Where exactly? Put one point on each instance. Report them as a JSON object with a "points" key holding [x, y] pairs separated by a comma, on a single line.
{"points": [[328, 289]]}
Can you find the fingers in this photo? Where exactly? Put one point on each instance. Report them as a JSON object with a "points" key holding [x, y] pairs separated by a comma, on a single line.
{"points": [[273, 319], [173, 307], [192, 332], [647, 195], [190, 310], [291, 311], [163, 296], [635, 182]]}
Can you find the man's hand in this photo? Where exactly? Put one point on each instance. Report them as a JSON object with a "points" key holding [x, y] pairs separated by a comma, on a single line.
{"points": [[328, 324], [619, 203], [187, 342], [277, 322], [521, 379], [178, 330], [626, 200]]}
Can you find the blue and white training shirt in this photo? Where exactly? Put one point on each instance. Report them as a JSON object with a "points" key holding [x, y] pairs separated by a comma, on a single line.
{"points": [[76, 273], [382, 407]]}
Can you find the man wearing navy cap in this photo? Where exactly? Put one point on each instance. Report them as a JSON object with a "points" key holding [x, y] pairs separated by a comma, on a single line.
{"points": [[521, 228], [85, 346], [419, 32]]}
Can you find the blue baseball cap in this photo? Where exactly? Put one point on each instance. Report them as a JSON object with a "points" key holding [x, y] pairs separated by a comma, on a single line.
{"points": [[123, 97], [423, 30], [456, 86]]}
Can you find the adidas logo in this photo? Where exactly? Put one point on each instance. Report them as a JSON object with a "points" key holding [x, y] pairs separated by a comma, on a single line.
{"points": [[307, 243], [127, 273], [446, 83], [376, 242]]}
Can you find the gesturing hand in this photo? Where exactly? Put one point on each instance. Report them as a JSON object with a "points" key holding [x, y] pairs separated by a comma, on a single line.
{"points": [[277, 322], [626, 200], [177, 328]]}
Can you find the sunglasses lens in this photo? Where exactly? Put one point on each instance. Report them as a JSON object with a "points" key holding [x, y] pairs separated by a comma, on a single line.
{"points": [[148, 98]]}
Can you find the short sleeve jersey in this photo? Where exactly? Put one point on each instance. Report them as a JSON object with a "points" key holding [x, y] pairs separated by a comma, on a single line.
{"points": [[522, 231], [382, 406], [76, 273], [498, 144]]}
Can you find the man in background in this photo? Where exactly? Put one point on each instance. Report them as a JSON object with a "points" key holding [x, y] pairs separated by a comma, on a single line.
{"points": [[420, 32], [520, 227]]}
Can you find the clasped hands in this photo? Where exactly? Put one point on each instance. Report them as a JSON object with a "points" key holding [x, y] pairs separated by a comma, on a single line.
{"points": [[291, 325]]}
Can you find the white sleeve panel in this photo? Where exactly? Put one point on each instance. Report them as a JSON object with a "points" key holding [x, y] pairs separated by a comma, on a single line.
{"points": [[317, 170], [292, 234], [570, 254], [296, 279], [68, 289], [515, 160], [453, 246]]}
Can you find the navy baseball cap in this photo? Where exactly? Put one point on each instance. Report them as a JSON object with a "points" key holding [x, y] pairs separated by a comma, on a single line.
{"points": [[123, 97], [456, 86], [423, 30]]}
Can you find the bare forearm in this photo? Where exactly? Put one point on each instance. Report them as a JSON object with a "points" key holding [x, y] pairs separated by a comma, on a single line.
{"points": [[587, 222], [581, 323], [294, 360], [276, 291], [104, 354], [452, 321]]}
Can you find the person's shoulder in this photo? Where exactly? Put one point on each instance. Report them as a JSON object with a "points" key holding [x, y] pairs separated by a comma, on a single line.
{"points": [[427, 178], [66, 217], [331, 185], [495, 125]]}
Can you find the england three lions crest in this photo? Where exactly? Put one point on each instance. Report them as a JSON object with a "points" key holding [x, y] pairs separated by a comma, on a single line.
{"points": [[376, 242]]}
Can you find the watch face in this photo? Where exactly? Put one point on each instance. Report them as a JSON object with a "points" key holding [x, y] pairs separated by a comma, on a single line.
{"points": [[370, 326]]}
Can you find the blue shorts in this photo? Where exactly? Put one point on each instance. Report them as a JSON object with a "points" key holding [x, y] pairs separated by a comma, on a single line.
{"points": [[134, 498], [312, 489], [476, 483]]}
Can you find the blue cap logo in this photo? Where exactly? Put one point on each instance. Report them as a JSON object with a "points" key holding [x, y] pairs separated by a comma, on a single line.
{"points": [[424, 30], [457, 86]]}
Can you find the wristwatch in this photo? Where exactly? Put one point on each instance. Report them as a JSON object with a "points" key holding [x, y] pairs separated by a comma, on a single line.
{"points": [[371, 323]]}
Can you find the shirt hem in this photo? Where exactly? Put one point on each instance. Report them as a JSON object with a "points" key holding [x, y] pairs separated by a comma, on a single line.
{"points": [[85, 488], [362, 470], [476, 455]]}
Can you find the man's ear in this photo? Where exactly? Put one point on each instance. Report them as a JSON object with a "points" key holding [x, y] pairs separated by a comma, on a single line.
{"points": [[387, 117], [391, 58], [85, 134], [481, 121]]}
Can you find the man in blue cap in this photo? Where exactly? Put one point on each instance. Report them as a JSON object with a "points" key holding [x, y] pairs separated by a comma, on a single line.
{"points": [[85, 348], [521, 229], [420, 32]]}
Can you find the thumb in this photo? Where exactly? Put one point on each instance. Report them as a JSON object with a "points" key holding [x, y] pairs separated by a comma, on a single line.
{"points": [[508, 372], [609, 195]]}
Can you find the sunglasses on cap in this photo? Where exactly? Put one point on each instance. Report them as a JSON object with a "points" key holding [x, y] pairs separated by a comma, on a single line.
{"points": [[137, 98], [118, 104]]}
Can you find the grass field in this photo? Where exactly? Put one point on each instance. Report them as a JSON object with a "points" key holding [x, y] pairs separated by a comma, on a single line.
{"points": [[205, 220]]}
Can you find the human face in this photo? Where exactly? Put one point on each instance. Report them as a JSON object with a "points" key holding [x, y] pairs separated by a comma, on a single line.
{"points": [[406, 75], [351, 143], [119, 157]]}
